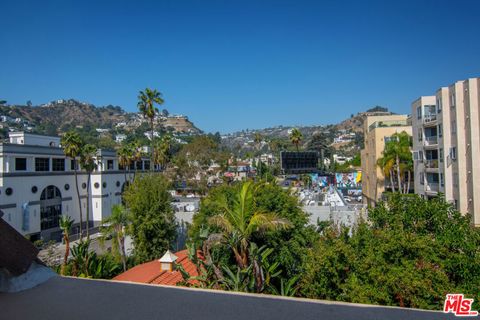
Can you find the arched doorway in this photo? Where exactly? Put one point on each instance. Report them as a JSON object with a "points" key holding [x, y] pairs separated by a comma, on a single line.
{"points": [[50, 207]]}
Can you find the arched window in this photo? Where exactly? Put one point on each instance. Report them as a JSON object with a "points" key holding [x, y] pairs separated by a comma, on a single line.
{"points": [[50, 207]]}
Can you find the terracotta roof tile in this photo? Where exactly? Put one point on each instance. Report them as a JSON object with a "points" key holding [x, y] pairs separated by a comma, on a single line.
{"points": [[151, 272]]}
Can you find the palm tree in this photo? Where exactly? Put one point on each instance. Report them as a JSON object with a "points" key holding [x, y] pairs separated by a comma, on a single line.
{"points": [[296, 137], [88, 161], [240, 220], [146, 104], [386, 163], [162, 151], [125, 155], [72, 147], [66, 223], [397, 159], [115, 226], [136, 155]]}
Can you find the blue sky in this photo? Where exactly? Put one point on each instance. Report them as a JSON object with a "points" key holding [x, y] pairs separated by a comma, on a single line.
{"points": [[233, 65]]}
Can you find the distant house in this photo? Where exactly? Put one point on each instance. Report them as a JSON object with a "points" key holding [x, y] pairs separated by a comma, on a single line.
{"points": [[120, 137], [163, 271], [100, 130]]}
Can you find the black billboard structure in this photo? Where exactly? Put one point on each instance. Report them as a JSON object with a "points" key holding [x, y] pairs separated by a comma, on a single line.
{"points": [[299, 162]]}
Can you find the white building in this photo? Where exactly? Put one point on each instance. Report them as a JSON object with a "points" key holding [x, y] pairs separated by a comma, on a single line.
{"points": [[37, 185], [120, 137], [446, 145]]}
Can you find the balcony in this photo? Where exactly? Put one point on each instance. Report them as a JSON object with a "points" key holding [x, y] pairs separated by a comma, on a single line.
{"points": [[431, 164], [432, 187], [430, 141], [430, 119]]}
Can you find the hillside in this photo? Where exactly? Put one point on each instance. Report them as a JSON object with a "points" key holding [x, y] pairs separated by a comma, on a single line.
{"points": [[345, 138], [62, 115]]}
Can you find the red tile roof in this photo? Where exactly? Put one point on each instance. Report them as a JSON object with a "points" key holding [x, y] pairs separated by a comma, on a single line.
{"points": [[151, 272]]}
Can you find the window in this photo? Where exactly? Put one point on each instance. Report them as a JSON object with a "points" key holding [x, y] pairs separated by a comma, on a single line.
{"points": [[422, 178], [20, 164], [439, 105], [441, 154], [440, 131], [138, 165], [453, 129], [419, 112], [453, 153], [420, 135], [442, 183], [146, 165], [58, 164], [452, 100], [420, 156], [109, 164], [73, 164], [42, 164]]}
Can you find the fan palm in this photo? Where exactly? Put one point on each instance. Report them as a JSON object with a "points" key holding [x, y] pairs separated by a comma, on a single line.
{"points": [[240, 220], [66, 223], [72, 147], [146, 104], [115, 226], [125, 155], [88, 161], [296, 137]]}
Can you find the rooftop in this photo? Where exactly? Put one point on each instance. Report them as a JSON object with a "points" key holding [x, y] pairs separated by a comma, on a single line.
{"points": [[152, 273], [101, 299]]}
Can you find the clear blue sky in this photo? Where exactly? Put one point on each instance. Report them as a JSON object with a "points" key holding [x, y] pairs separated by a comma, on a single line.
{"points": [[233, 65]]}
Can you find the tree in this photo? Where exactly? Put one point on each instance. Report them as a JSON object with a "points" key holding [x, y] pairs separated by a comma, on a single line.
{"points": [[66, 223], [146, 104], [125, 156], [290, 244], [239, 221], [88, 162], [296, 137], [162, 151], [153, 226], [410, 253], [115, 227], [397, 159], [72, 146]]}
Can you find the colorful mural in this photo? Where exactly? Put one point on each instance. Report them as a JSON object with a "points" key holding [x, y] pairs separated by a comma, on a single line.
{"points": [[348, 180], [319, 181]]}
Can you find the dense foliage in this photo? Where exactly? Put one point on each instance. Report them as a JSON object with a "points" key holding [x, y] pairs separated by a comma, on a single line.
{"points": [[279, 252], [153, 225], [410, 252]]}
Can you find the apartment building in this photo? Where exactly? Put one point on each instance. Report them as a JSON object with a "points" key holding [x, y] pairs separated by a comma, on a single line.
{"points": [[377, 130], [447, 145], [37, 185]]}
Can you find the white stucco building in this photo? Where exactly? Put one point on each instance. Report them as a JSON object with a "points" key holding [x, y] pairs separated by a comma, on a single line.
{"points": [[37, 185]]}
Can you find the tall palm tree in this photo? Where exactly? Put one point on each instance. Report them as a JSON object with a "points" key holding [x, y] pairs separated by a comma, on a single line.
{"points": [[386, 163], [397, 158], [240, 220], [146, 104], [72, 145], [162, 151], [296, 137], [88, 161], [136, 155], [125, 155], [115, 226], [66, 223], [258, 140]]}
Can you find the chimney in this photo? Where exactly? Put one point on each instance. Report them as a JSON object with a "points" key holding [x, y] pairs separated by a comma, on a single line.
{"points": [[167, 261]]}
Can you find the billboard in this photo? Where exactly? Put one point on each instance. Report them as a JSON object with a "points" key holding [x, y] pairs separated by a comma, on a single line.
{"points": [[299, 162], [349, 180], [319, 181]]}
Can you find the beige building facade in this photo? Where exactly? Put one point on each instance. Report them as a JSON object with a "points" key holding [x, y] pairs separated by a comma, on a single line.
{"points": [[376, 130], [446, 145]]}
